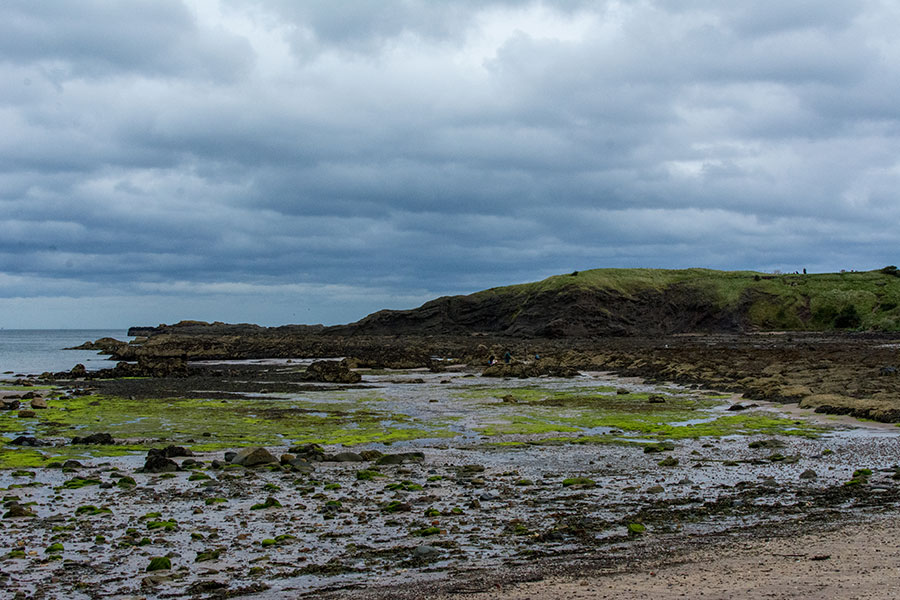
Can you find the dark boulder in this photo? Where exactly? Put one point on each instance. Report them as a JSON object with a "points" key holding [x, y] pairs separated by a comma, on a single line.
{"points": [[309, 452], [103, 439], [251, 457], [156, 463], [28, 441], [170, 452]]}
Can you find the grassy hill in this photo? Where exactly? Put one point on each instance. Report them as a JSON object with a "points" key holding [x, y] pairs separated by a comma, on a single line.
{"points": [[658, 301]]}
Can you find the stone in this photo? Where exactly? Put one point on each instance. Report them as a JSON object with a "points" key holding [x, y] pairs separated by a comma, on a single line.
{"points": [[171, 452], [767, 444], [345, 457], [27, 414], [9, 404], [28, 441], [308, 452], [17, 510], [251, 457], [78, 371], [403, 457], [157, 463], [104, 439], [809, 474], [301, 466], [159, 563], [72, 464], [426, 552], [38, 404]]}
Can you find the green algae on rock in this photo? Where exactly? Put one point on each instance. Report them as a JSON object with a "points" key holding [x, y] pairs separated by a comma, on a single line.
{"points": [[159, 563]]}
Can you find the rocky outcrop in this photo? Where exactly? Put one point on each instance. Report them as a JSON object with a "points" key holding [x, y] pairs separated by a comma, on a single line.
{"points": [[571, 311], [331, 371], [105, 345], [533, 369]]}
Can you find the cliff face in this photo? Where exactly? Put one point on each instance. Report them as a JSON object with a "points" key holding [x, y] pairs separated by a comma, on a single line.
{"points": [[650, 302], [568, 312]]}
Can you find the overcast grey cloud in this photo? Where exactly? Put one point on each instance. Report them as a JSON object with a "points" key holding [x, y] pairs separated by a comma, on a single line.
{"points": [[281, 161]]}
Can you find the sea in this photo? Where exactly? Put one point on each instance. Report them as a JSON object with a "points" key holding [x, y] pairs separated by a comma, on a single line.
{"points": [[33, 351]]}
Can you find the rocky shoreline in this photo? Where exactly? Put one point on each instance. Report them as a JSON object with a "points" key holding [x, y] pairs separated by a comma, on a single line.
{"points": [[414, 459], [847, 374]]}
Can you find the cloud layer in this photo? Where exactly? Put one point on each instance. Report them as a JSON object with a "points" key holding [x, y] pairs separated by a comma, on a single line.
{"points": [[314, 161]]}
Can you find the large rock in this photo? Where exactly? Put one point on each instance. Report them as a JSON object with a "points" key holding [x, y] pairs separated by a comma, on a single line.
{"points": [[251, 457], [170, 452], [309, 452], [104, 439], [157, 463], [331, 371], [28, 441], [344, 457]]}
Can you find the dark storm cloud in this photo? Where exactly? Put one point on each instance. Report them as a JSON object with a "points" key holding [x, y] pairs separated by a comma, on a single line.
{"points": [[306, 161]]}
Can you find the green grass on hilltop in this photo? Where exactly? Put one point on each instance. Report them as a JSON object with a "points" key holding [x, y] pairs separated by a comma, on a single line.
{"points": [[866, 300]]}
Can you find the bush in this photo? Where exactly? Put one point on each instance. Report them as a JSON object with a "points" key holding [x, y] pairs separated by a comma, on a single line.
{"points": [[848, 318], [891, 270]]}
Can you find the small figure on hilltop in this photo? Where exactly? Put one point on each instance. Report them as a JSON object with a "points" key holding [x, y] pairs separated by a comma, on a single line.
{"points": [[507, 357], [491, 359]]}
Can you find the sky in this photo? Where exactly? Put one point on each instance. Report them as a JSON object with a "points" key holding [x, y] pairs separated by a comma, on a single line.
{"points": [[283, 162]]}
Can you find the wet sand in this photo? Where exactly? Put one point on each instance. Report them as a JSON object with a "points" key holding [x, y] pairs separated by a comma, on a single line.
{"points": [[857, 561]]}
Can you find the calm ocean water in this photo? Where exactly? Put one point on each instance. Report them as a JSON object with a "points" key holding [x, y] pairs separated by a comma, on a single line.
{"points": [[33, 351]]}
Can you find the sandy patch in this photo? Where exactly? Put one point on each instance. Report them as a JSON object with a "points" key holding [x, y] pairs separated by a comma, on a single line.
{"points": [[854, 562]]}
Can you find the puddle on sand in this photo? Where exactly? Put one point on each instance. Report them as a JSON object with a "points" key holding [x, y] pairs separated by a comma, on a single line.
{"points": [[471, 503]]}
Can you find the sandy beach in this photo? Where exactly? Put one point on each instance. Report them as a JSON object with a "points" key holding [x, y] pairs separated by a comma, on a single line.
{"points": [[852, 562]]}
